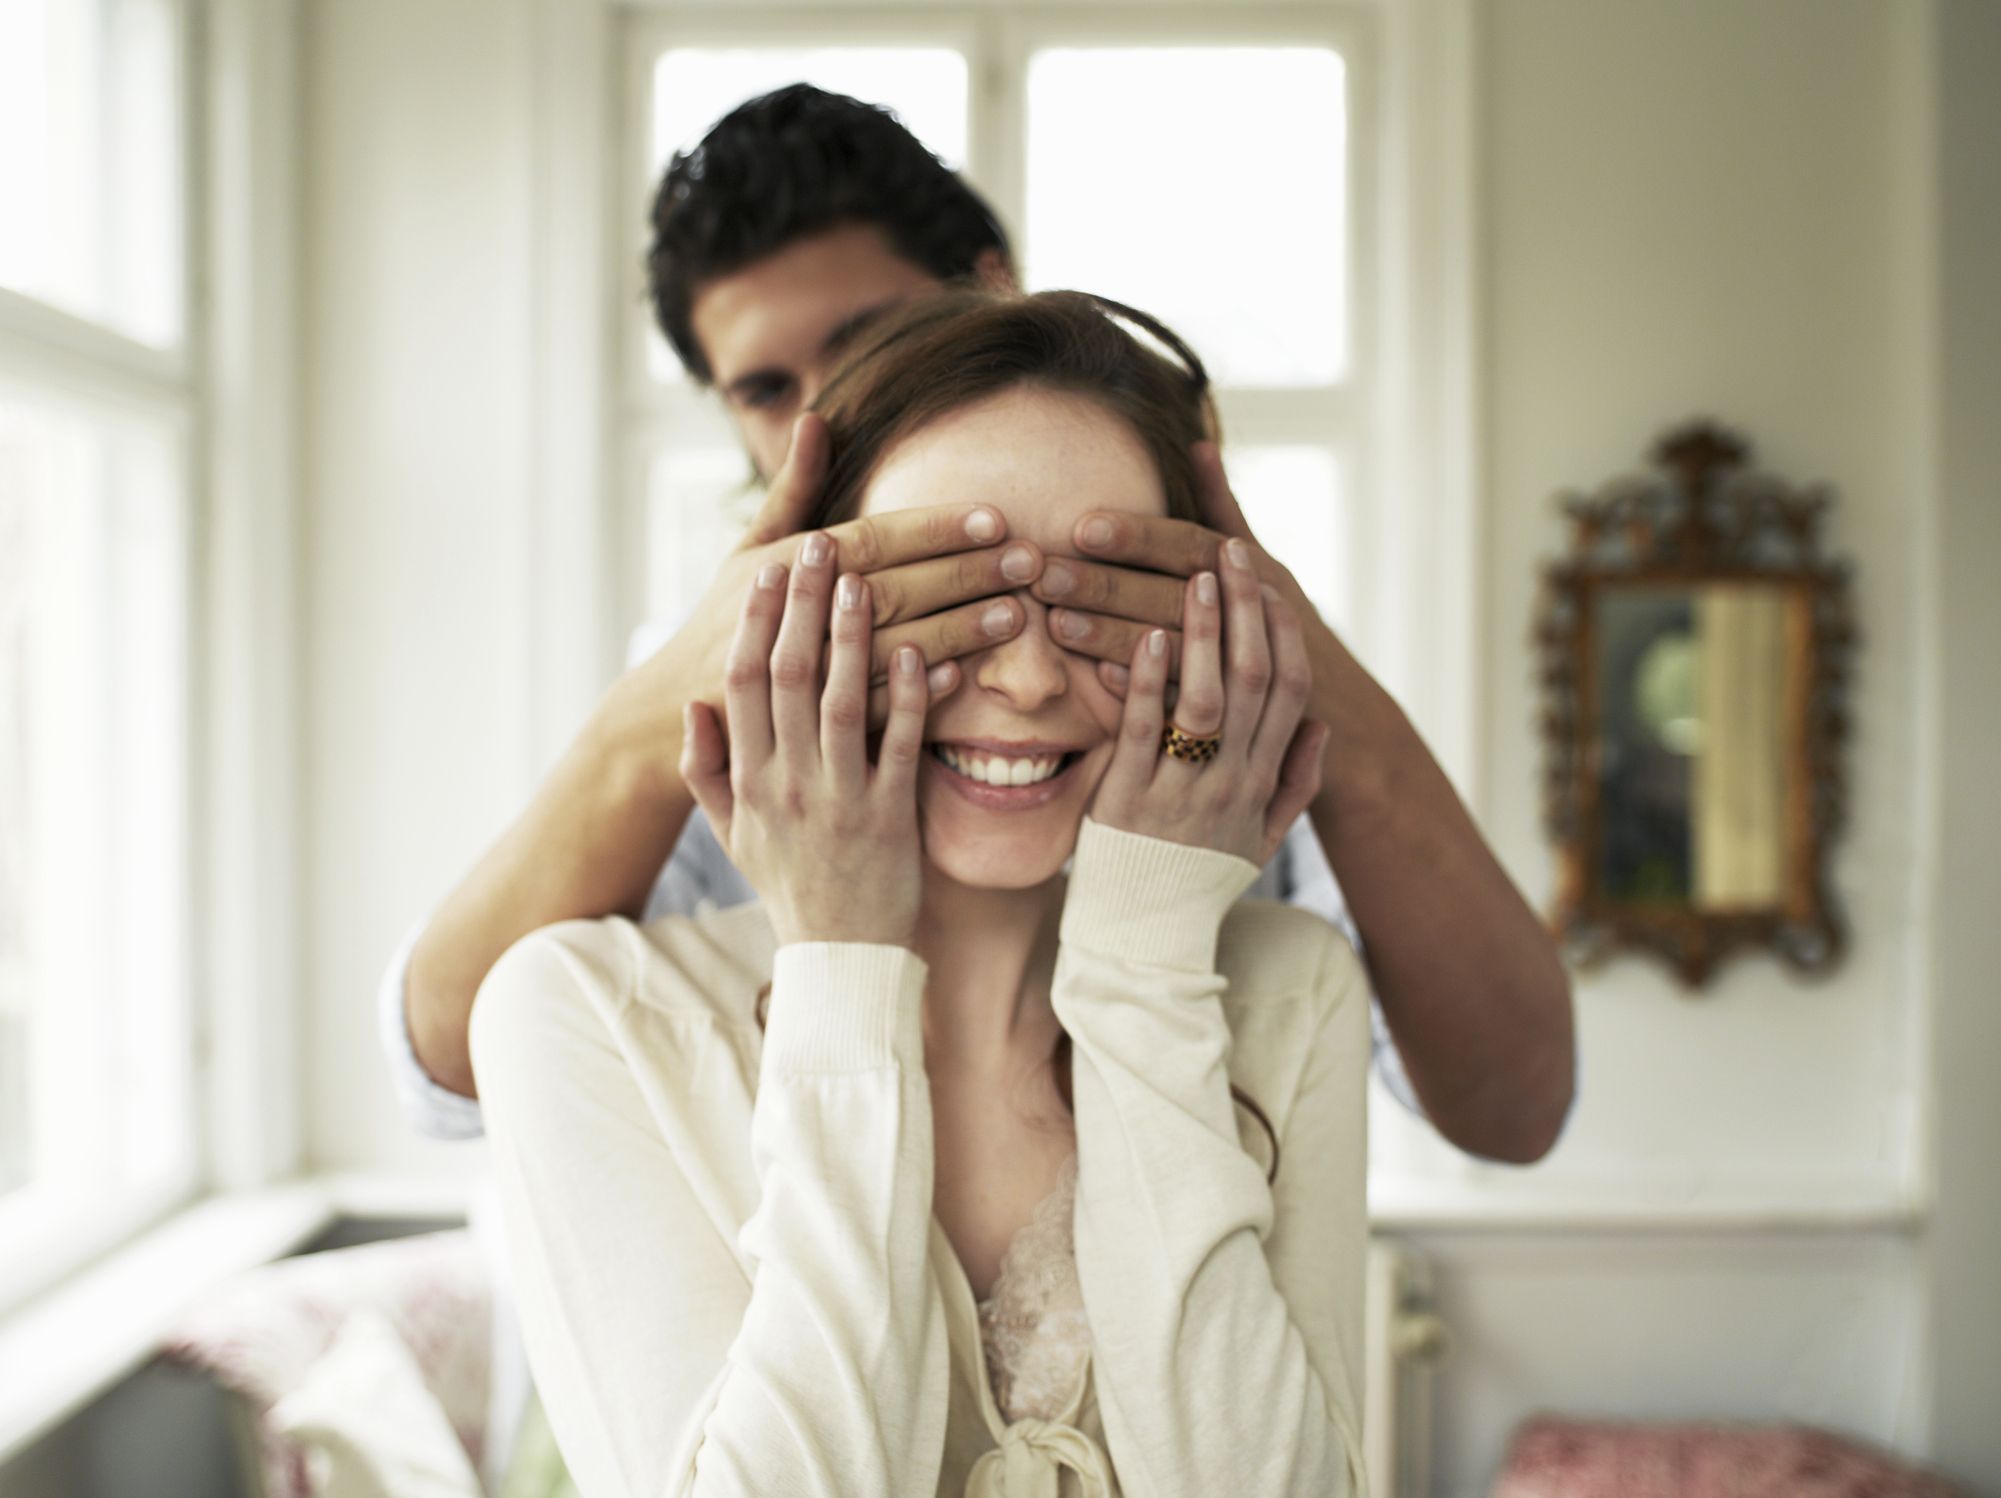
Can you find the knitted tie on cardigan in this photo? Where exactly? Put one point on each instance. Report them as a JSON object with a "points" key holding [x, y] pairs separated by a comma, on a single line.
{"points": [[1029, 1458]]}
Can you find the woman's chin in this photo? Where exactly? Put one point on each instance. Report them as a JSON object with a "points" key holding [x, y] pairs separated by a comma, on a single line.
{"points": [[999, 860], [993, 848]]}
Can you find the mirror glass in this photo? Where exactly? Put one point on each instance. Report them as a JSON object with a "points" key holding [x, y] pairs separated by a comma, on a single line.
{"points": [[1690, 748]]}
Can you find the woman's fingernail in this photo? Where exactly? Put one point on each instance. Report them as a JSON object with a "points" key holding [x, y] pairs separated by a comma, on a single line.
{"points": [[1057, 580], [1205, 586], [1096, 533], [981, 525], [1156, 643], [907, 660], [998, 620], [1238, 553], [1072, 626], [850, 594], [940, 678], [816, 550], [1270, 593], [771, 576], [1117, 675], [1017, 564]]}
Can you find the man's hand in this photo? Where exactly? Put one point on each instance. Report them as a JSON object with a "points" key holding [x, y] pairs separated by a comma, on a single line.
{"points": [[1134, 583], [937, 577]]}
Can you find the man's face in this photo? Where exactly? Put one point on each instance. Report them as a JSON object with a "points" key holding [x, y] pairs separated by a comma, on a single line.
{"points": [[774, 330]]}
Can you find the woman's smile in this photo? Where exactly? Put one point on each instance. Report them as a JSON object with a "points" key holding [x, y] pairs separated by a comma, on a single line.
{"points": [[1002, 776]]}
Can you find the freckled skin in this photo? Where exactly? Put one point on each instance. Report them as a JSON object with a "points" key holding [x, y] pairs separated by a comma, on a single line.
{"points": [[1043, 459]]}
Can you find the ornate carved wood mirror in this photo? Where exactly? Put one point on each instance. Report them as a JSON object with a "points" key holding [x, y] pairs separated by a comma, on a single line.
{"points": [[1695, 648]]}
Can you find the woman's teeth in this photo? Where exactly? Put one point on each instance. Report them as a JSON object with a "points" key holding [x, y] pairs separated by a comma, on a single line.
{"points": [[993, 769]]}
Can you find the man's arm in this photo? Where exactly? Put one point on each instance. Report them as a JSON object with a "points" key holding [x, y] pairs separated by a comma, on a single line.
{"points": [[606, 818], [1470, 982], [590, 843], [1469, 979]]}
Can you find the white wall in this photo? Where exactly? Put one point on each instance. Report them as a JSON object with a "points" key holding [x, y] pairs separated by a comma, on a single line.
{"points": [[1687, 206], [418, 450], [1704, 208], [1965, 1242]]}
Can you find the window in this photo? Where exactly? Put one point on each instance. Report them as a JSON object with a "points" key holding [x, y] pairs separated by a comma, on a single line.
{"points": [[96, 412], [1127, 150]]}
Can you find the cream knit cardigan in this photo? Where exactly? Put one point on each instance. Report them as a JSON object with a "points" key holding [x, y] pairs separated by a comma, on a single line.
{"points": [[729, 1275]]}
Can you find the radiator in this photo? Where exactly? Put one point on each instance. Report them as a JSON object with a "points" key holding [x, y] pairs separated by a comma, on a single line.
{"points": [[1403, 1340]]}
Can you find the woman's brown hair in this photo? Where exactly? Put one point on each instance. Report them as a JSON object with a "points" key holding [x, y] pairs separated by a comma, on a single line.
{"points": [[945, 352]]}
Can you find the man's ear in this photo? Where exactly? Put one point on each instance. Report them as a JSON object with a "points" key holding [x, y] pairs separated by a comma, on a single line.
{"points": [[992, 271]]}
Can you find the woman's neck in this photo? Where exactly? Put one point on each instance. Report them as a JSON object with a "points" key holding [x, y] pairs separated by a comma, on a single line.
{"points": [[991, 953]]}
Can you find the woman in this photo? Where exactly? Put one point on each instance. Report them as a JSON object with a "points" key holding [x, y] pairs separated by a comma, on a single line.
{"points": [[933, 1171]]}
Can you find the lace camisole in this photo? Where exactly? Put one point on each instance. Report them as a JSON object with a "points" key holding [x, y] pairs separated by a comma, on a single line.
{"points": [[1032, 1324]]}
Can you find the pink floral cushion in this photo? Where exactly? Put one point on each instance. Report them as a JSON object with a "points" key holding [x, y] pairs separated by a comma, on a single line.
{"points": [[261, 1334], [1558, 1458]]}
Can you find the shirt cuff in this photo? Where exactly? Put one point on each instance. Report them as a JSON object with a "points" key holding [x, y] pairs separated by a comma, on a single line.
{"points": [[1150, 901], [432, 1108], [841, 1006]]}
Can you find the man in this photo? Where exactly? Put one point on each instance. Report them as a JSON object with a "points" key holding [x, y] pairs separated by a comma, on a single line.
{"points": [[799, 217]]}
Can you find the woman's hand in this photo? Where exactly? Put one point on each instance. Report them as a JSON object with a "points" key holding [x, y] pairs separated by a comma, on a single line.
{"points": [[1266, 770], [828, 841]]}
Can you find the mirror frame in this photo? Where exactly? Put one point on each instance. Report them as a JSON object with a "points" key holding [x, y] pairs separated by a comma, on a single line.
{"points": [[1702, 516]]}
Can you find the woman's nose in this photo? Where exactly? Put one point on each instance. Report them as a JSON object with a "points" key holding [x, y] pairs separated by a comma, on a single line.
{"points": [[1029, 669]]}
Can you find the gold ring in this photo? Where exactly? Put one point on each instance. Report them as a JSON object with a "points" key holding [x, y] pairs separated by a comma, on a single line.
{"points": [[1188, 747]]}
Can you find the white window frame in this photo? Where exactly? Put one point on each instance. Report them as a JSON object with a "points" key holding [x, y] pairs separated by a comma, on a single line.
{"points": [[226, 389], [63, 361], [998, 40]]}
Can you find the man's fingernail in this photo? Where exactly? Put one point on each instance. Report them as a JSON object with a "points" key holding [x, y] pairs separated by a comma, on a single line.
{"points": [[816, 550], [1096, 533], [982, 526], [851, 592], [1205, 586], [908, 660], [1017, 564], [998, 620], [940, 678], [1117, 675], [1071, 626], [1057, 580], [1156, 643], [1238, 553], [1270, 593], [771, 576]]}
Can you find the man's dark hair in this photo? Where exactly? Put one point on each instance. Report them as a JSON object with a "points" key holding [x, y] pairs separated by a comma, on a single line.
{"points": [[791, 163]]}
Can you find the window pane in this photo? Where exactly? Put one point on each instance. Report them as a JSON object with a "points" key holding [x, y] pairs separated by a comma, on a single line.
{"points": [[699, 499], [1292, 498], [693, 87], [1207, 186], [90, 160], [93, 866]]}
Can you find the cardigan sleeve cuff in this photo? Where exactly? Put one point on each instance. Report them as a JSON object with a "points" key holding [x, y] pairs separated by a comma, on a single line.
{"points": [[1150, 901], [844, 1006]]}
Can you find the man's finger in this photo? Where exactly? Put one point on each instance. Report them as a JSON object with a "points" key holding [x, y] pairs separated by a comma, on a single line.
{"points": [[918, 588], [1107, 638], [877, 541], [1180, 548], [948, 635], [1095, 587], [788, 503]]}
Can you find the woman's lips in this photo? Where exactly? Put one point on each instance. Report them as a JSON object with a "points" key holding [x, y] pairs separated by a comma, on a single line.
{"points": [[1003, 797]]}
